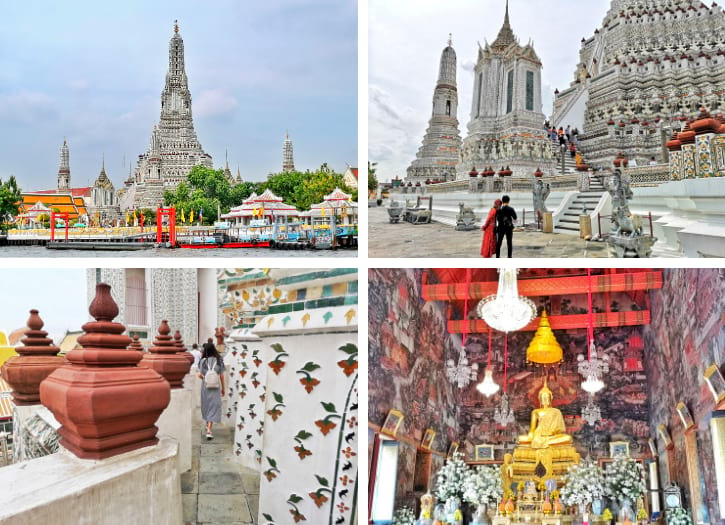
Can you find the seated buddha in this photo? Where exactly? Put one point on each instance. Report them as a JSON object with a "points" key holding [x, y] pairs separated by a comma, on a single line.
{"points": [[547, 424]]}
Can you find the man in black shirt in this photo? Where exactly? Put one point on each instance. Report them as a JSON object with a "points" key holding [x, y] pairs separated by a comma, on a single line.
{"points": [[505, 219]]}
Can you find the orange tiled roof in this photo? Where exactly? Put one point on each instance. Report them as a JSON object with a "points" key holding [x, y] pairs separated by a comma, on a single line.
{"points": [[62, 202]]}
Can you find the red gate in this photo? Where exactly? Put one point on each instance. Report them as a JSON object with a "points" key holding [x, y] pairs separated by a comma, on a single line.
{"points": [[171, 214], [60, 215]]}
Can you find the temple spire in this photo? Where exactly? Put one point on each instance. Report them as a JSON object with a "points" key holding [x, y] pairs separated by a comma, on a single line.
{"points": [[176, 26], [506, 36], [64, 169], [288, 162]]}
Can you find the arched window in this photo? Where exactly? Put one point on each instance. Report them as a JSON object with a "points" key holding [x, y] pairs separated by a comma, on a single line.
{"points": [[448, 108]]}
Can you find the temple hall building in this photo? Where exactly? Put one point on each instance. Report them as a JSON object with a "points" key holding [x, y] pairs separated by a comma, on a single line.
{"points": [[174, 147], [646, 70], [505, 131]]}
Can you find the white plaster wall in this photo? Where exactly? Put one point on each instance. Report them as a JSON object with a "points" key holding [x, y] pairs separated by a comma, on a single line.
{"points": [[208, 306], [175, 422], [140, 487]]}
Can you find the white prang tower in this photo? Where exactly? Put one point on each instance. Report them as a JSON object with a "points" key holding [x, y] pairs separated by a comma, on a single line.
{"points": [[64, 169], [437, 157], [506, 126], [288, 161], [174, 148]]}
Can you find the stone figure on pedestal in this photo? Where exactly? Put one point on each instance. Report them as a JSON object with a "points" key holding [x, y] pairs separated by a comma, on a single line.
{"points": [[541, 192]]}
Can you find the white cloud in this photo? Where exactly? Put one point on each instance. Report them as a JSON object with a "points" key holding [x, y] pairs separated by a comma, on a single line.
{"points": [[24, 107], [214, 102]]}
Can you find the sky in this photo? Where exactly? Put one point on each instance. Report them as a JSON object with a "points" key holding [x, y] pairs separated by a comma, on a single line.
{"points": [[59, 295], [406, 40], [94, 71]]}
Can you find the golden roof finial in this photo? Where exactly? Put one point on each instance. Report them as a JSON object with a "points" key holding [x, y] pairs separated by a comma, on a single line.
{"points": [[176, 26]]}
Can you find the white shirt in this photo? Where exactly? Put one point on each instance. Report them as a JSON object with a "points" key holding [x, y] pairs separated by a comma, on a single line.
{"points": [[197, 357]]}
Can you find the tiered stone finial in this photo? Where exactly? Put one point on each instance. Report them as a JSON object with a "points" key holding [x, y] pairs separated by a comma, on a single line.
{"points": [[181, 349], [136, 344], [105, 403], [37, 359], [163, 358]]}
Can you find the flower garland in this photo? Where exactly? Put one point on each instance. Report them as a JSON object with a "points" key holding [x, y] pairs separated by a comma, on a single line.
{"points": [[449, 484], [678, 516], [584, 484], [483, 485], [625, 479], [404, 516]]}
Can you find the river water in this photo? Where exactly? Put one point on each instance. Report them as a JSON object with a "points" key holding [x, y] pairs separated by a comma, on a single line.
{"points": [[41, 251]]}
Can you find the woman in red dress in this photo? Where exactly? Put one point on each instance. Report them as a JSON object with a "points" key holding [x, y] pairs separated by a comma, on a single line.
{"points": [[488, 247]]}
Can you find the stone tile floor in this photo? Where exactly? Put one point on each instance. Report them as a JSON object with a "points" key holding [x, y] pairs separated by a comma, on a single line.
{"points": [[439, 240], [217, 490]]}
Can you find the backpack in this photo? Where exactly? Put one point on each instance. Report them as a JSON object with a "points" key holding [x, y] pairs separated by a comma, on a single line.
{"points": [[507, 222], [211, 378]]}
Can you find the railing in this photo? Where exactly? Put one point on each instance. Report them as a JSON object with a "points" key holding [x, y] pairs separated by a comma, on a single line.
{"points": [[6, 448], [648, 175], [444, 187]]}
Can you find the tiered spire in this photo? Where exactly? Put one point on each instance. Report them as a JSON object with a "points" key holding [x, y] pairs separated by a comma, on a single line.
{"points": [[64, 169], [288, 162], [506, 36]]}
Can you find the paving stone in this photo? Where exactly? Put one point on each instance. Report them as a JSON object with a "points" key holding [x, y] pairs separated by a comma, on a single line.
{"points": [[188, 507], [220, 483], [215, 449], [215, 508], [250, 480], [439, 240], [190, 482], [217, 464]]}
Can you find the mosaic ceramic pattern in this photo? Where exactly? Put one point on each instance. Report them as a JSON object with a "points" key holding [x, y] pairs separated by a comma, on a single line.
{"points": [[689, 160], [309, 464], [676, 164], [687, 333], [718, 146], [704, 155]]}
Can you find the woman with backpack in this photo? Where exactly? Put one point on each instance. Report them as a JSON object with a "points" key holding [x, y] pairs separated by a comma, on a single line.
{"points": [[211, 373]]}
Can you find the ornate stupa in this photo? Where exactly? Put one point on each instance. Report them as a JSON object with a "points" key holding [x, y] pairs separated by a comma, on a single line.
{"points": [[174, 148], [645, 71], [437, 157]]}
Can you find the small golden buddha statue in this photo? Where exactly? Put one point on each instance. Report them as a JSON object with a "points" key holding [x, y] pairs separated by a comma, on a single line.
{"points": [[547, 424]]}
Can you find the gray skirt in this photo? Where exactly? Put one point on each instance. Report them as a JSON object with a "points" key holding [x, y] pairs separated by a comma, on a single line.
{"points": [[211, 398]]}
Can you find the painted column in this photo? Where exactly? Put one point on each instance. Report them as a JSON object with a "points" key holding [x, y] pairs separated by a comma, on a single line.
{"points": [[207, 303]]}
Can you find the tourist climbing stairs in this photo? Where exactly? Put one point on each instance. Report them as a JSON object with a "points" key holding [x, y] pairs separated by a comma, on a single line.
{"points": [[585, 200], [569, 161]]}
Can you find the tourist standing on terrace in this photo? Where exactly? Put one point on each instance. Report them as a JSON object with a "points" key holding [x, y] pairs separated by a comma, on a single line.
{"points": [[488, 246], [211, 373], [505, 219]]}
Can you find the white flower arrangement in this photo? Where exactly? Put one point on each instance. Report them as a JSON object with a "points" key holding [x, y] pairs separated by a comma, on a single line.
{"points": [[678, 516], [625, 479], [483, 485], [584, 484], [404, 516], [449, 483]]}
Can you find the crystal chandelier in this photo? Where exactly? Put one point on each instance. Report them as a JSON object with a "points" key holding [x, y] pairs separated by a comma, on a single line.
{"points": [[591, 413], [594, 368], [462, 373], [488, 386], [506, 311], [504, 415]]}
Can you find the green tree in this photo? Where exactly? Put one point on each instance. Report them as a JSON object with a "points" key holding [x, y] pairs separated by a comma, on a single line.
{"points": [[372, 177], [10, 197]]}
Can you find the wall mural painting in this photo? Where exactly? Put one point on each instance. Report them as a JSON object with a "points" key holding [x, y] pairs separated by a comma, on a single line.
{"points": [[408, 341], [687, 331]]}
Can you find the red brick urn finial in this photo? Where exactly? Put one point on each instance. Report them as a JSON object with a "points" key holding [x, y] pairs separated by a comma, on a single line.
{"points": [[136, 344], [105, 403], [37, 359], [163, 358], [181, 349]]}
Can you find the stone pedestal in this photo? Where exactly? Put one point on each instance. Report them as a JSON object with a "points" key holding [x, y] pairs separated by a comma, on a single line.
{"points": [[140, 487], [35, 432], [175, 422], [547, 222], [585, 227]]}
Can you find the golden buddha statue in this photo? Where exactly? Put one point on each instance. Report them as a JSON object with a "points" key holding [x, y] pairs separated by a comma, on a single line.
{"points": [[546, 451], [547, 424]]}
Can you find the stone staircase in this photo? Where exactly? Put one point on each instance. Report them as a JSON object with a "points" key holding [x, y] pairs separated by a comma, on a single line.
{"points": [[569, 162], [569, 222]]}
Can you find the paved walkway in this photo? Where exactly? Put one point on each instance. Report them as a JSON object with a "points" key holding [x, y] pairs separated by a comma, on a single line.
{"points": [[217, 491], [438, 240]]}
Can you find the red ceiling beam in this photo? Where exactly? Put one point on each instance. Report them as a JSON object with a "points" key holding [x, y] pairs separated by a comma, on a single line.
{"points": [[561, 322], [621, 282]]}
